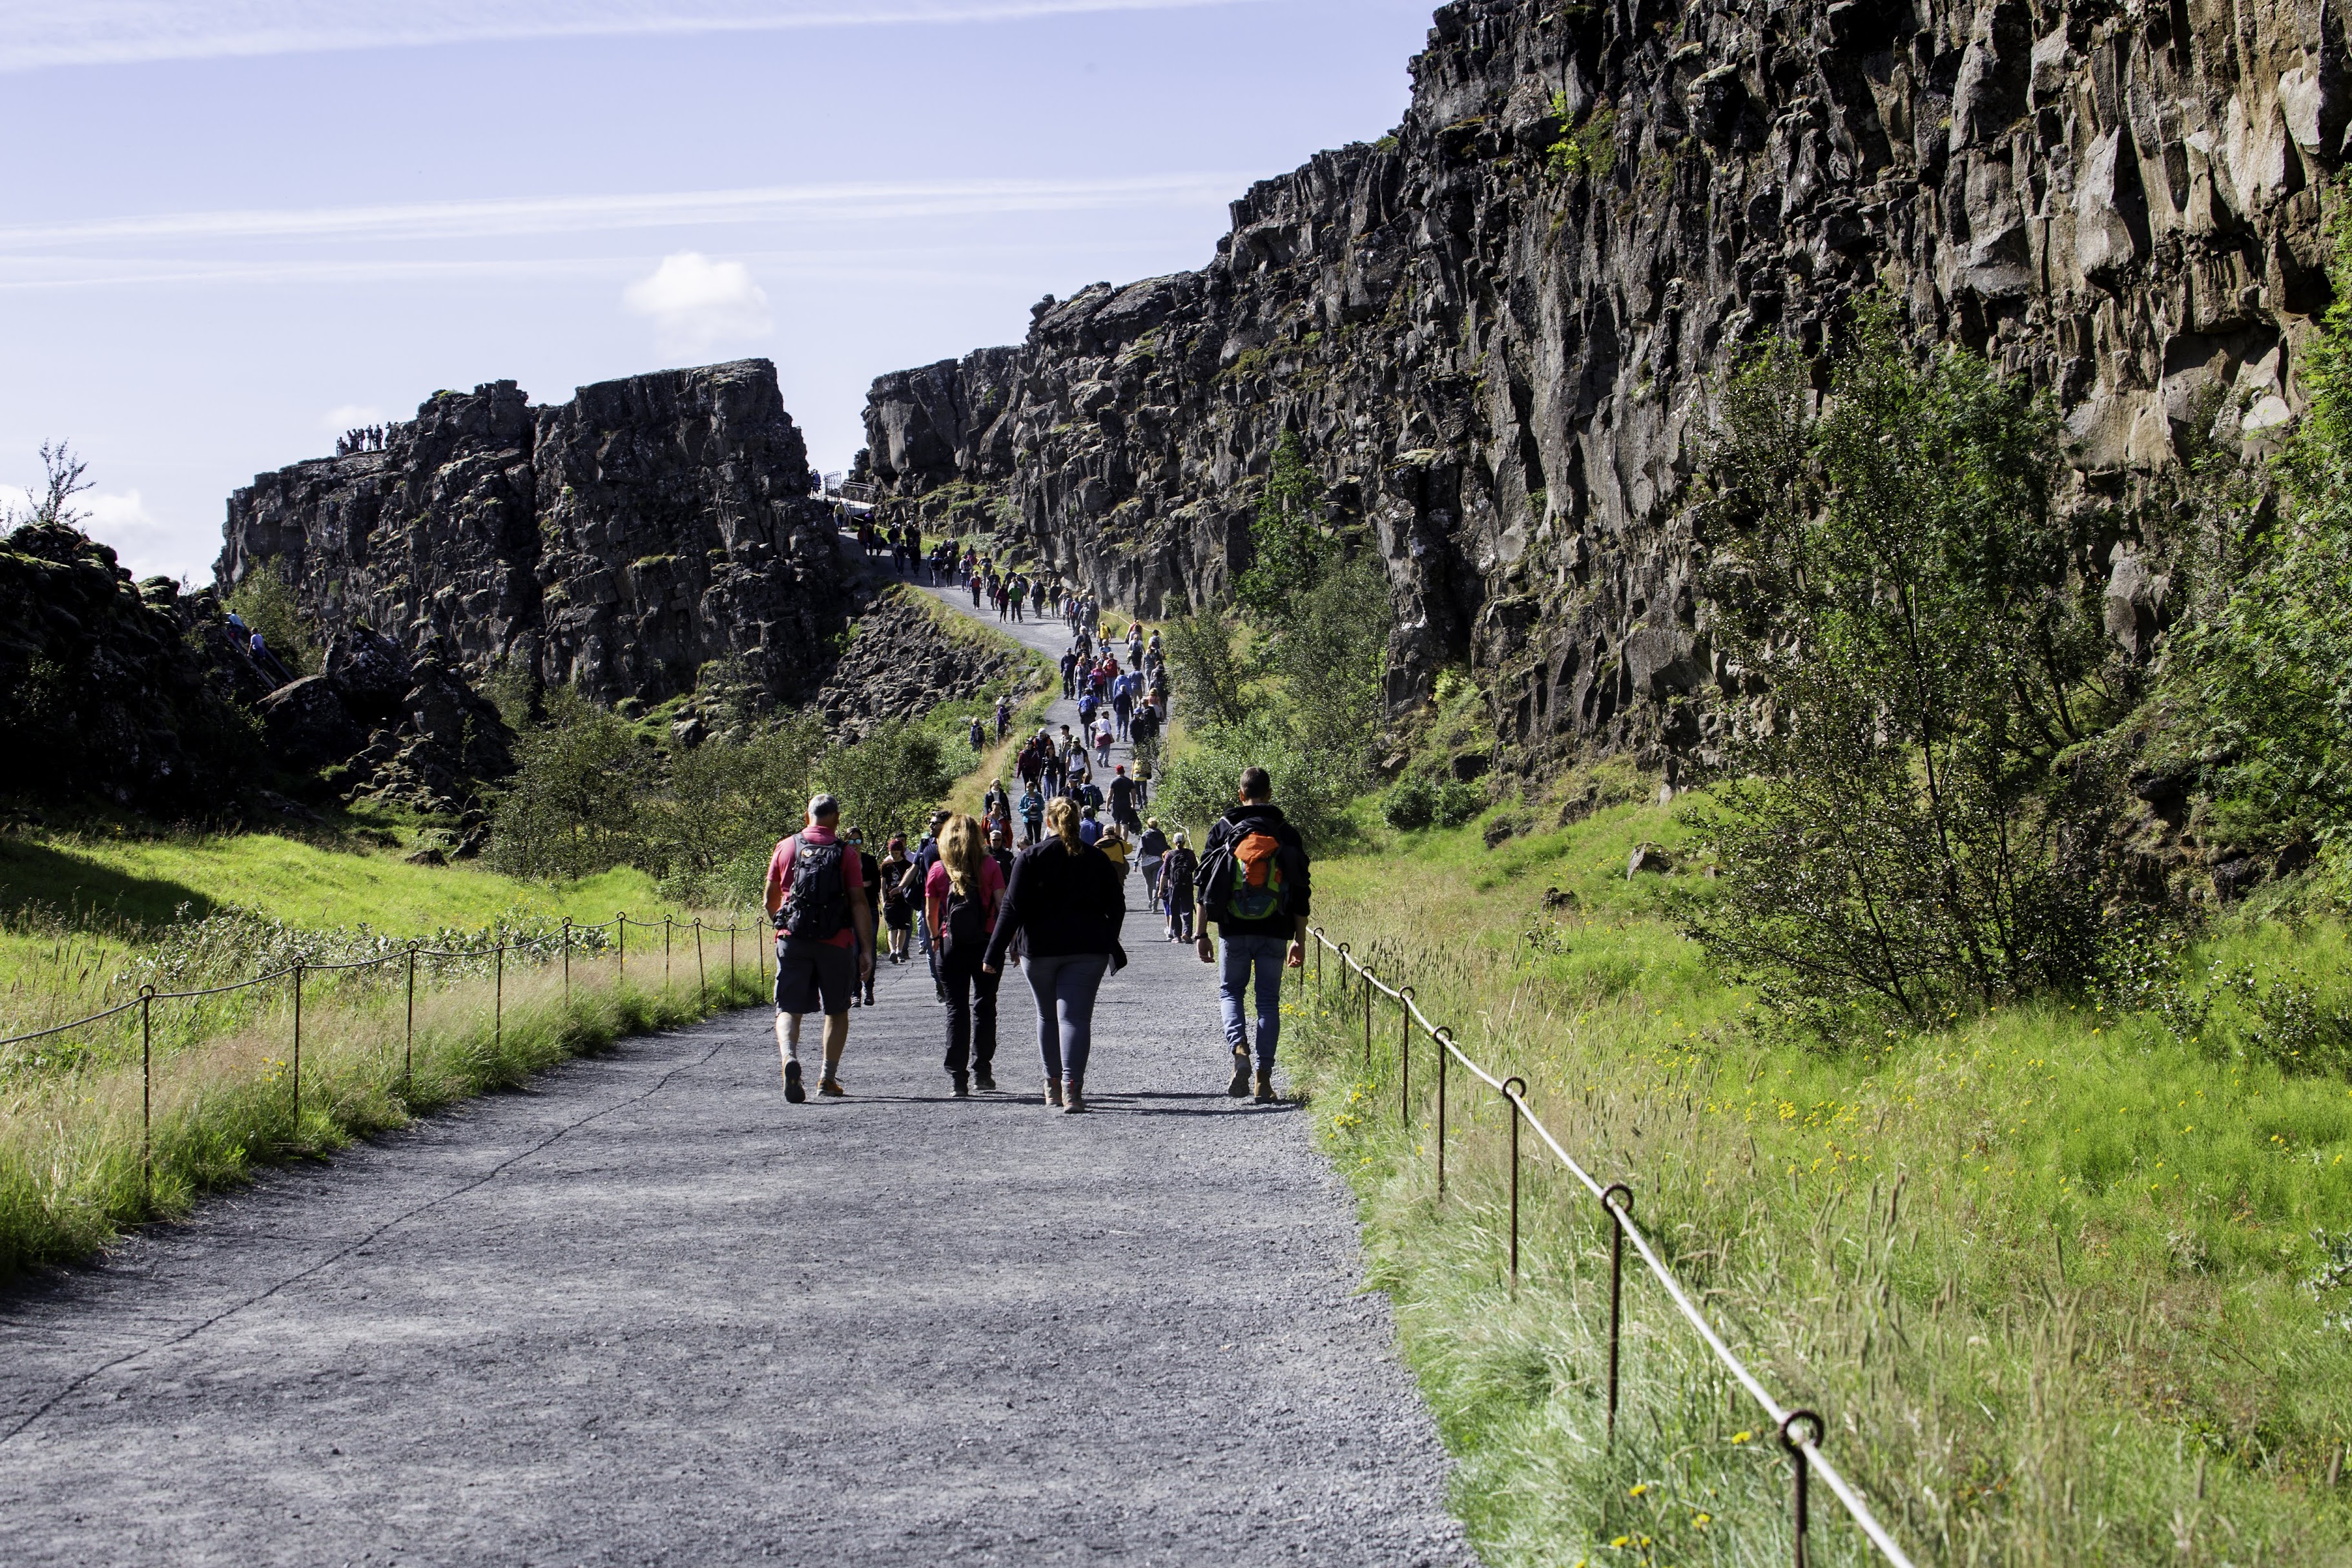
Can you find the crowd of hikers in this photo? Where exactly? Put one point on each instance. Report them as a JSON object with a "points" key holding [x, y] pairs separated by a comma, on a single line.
{"points": [[1038, 883], [1056, 910]]}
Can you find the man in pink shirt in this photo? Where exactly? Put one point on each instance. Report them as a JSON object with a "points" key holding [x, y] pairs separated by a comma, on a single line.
{"points": [[825, 941]]}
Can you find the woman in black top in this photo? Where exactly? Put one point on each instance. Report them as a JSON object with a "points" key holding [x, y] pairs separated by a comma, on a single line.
{"points": [[1066, 906]]}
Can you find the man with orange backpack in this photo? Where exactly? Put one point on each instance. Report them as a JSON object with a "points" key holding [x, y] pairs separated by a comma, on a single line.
{"points": [[1253, 886]]}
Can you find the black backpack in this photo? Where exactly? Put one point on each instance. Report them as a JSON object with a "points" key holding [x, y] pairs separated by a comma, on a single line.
{"points": [[817, 906], [966, 921]]}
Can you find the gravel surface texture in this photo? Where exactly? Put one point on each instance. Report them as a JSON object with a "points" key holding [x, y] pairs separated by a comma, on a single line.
{"points": [[647, 1313]]}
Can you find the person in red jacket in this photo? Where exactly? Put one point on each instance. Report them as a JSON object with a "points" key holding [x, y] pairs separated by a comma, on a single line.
{"points": [[825, 941]]}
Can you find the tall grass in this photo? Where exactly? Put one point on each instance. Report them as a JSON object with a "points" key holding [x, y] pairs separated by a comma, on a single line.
{"points": [[72, 1175], [2050, 1274]]}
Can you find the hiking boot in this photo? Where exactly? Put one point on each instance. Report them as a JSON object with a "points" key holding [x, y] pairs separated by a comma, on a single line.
{"points": [[1074, 1099], [792, 1090], [1240, 1085], [963, 1086], [831, 1087], [982, 1079], [1265, 1095], [1052, 1091]]}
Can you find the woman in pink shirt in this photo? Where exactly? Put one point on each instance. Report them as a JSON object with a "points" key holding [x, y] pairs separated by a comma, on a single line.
{"points": [[962, 896]]}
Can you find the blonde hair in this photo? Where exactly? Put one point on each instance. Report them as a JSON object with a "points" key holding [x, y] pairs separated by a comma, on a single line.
{"points": [[962, 849], [1062, 816]]}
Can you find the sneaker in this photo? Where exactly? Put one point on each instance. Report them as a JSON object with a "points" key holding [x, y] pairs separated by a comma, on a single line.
{"points": [[962, 1086], [984, 1080], [1052, 1091], [792, 1090], [831, 1087], [1265, 1095], [1240, 1085]]}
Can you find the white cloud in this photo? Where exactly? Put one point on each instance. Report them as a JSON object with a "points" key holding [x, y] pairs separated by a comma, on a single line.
{"points": [[350, 416], [146, 543], [518, 215], [696, 303], [44, 33]]}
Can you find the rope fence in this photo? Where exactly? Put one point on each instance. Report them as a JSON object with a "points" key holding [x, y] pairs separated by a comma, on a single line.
{"points": [[1801, 1431], [407, 955]]}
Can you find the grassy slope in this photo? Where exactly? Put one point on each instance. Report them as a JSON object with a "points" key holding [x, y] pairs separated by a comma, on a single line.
{"points": [[2044, 1272]]}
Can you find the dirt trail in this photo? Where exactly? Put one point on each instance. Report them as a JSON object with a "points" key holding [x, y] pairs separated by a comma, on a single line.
{"points": [[646, 1312]]}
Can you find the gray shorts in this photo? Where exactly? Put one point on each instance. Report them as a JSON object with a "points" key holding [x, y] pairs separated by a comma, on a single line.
{"points": [[815, 977]]}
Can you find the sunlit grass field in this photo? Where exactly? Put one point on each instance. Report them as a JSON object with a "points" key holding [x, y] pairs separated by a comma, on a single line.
{"points": [[2060, 1284]]}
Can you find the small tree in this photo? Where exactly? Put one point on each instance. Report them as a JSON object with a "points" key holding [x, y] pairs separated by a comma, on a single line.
{"points": [[577, 802], [264, 598], [1902, 592], [1288, 550]]}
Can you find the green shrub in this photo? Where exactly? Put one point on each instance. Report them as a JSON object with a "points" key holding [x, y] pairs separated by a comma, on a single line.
{"points": [[1905, 588]]}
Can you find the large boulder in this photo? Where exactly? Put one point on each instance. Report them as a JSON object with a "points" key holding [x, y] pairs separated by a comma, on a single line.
{"points": [[307, 727], [370, 673]]}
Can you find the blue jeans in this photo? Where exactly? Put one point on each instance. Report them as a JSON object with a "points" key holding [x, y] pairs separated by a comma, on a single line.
{"points": [[1237, 957], [1064, 987]]}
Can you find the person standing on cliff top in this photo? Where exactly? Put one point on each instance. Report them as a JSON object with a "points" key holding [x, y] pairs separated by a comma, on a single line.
{"points": [[825, 941]]}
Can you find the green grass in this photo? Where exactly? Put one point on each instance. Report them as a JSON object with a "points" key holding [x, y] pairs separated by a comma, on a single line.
{"points": [[149, 881], [71, 1176], [2047, 1272]]}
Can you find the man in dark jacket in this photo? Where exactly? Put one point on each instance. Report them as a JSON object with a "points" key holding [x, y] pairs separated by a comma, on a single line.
{"points": [[1259, 943]]}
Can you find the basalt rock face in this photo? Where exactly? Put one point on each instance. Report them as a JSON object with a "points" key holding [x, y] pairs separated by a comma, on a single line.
{"points": [[903, 663], [131, 694], [621, 540], [1495, 329]]}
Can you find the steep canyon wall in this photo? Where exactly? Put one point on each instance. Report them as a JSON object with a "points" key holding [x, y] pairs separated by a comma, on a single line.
{"points": [[1494, 329]]}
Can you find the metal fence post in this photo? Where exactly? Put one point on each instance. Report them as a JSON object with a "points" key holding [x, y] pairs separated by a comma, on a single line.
{"points": [[1319, 945], [408, 1051], [1790, 1441], [666, 930], [297, 1048], [621, 925], [1616, 1286], [146, 1090], [567, 961], [1442, 1040], [1514, 1101], [701, 979], [1340, 976], [498, 1003], [1367, 1017], [1404, 1057], [732, 925]]}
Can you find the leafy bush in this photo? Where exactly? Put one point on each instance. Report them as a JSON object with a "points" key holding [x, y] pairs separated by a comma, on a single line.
{"points": [[2267, 661], [1424, 799], [1904, 589], [1588, 148], [265, 600], [1289, 548]]}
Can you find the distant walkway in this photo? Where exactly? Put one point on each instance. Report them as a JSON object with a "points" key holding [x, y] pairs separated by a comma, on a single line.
{"points": [[646, 1312]]}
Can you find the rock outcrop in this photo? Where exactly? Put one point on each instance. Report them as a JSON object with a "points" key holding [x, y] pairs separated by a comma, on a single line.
{"points": [[620, 542], [903, 662], [115, 692], [1494, 329]]}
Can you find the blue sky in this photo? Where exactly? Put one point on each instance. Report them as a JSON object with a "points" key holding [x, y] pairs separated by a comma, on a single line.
{"points": [[233, 226]]}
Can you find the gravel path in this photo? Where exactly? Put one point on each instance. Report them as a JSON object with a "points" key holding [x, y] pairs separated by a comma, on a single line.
{"points": [[646, 1312]]}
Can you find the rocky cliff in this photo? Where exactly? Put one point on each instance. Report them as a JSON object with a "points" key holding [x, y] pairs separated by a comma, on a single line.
{"points": [[1494, 329], [621, 540], [112, 692]]}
